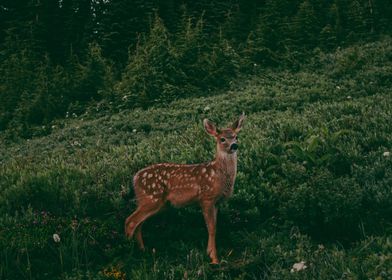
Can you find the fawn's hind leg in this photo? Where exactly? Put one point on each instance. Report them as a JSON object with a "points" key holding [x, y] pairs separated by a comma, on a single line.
{"points": [[139, 237], [140, 215]]}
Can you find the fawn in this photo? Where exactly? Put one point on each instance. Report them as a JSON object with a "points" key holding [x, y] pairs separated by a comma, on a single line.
{"points": [[181, 184]]}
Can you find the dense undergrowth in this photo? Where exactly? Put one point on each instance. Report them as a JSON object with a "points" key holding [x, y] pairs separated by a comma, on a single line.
{"points": [[314, 182]]}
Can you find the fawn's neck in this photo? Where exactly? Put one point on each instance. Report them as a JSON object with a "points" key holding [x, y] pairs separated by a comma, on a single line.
{"points": [[227, 163]]}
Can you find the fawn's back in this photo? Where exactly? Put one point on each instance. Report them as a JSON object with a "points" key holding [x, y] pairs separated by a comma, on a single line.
{"points": [[181, 184]]}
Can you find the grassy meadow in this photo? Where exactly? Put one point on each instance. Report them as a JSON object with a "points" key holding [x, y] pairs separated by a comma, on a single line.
{"points": [[314, 181]]}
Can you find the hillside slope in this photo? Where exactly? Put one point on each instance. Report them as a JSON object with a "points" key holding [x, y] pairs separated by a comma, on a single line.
{"points": [[314, 168]]}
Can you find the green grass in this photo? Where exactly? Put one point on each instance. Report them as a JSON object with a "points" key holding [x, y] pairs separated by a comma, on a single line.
{"points": [[313, 182]]}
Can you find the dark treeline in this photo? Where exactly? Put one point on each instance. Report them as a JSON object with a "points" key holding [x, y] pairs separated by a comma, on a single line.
{"points": [[57, 57]]}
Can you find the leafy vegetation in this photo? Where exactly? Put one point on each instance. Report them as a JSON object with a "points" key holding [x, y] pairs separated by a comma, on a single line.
{"points": [[66, 56], [314, 179]]}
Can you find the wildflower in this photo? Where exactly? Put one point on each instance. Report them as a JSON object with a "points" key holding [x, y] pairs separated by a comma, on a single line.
{"points": [[114, 273], [338, 87], [207, 108], [134, 130], [298, 267], [76, 143], [56, 238], [386, 154], [349, 97]]}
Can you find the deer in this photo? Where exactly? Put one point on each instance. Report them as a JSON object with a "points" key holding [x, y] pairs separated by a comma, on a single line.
{"points": [[183, 184]]}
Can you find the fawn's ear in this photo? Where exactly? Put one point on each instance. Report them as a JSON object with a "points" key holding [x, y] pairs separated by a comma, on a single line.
{"points": [[210, 127], [236, 126]]}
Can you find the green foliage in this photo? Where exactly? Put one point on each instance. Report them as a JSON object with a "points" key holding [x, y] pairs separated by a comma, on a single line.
{"points": [[313, 184], [36, 92], [150, 74], [120, 54], [164, 67]]}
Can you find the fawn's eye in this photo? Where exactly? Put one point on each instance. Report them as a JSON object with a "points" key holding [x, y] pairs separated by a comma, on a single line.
{"points": [[222, 139]]}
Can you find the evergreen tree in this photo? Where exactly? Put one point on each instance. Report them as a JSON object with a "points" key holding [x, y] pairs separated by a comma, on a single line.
{"points": [[380, 12], [306, 26], [120, 24]]}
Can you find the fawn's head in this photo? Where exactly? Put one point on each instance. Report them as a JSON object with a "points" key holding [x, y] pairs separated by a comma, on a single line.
{"points": [[226, 139]]}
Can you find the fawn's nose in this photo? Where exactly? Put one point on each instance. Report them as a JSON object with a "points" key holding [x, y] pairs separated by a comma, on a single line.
{"points": [[234, 146]]}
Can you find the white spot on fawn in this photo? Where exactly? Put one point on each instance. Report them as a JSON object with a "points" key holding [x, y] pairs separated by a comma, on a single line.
{"points": [[204, 170], [150, 175], [145, 174]]}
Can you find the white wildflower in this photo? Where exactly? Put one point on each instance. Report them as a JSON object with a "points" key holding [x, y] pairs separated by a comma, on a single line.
{"points": [[349, 97], [207, 108], [134, 130], [386, 154], [338, 87], [56, 238], [298, 267], [76, 143]]}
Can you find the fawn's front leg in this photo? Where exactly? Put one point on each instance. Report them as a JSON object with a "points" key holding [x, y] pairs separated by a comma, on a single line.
{"points": [[209, 213]]}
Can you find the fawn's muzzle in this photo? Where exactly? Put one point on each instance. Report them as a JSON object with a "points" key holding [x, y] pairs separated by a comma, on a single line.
{"points": [[234, 147]]}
